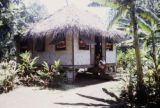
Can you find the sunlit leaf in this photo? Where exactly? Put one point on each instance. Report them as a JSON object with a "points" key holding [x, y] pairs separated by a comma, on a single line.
{"points": [[144, 26], [149, 15], [1, 23], [12, 6], [122, 11], [108, 3]]}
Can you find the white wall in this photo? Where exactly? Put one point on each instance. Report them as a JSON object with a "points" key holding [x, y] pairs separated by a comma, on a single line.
{"points": [[111, 56], [50, 55], [81, 57]]}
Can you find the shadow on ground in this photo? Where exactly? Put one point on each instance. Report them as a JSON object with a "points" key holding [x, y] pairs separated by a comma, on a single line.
{"points": [[82, 80], [115, 103], [84, 104]]}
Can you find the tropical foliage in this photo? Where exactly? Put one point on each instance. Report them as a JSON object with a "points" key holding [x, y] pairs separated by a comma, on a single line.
{"points": [[140, 59], [139, 18], [30, 74], [50, 77], [15, 18], [26, 68], [7, 76]]}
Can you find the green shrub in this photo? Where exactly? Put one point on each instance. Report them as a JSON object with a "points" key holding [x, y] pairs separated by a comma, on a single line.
{"points": [[7, 76], [150, 87], [50, 76], [57, 64], [27, 69], [30, 74], [27, 65]]}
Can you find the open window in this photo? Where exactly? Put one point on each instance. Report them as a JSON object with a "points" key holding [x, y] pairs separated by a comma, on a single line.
{"points": [[24, 46], [83, 45], [109, 46], [40, 44], [59, 41], [85, 41], [61, 45]]}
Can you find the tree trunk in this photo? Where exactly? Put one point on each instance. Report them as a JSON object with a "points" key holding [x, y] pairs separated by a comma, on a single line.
{"points": [[136, 45], [154, 51], [140, 88]]}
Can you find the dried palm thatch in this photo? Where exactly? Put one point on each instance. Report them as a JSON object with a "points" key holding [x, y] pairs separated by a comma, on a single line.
{"points": [[70, 18], [116, 36]]}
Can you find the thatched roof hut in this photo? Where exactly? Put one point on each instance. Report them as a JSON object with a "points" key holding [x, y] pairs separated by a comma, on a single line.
{"points": [[71, 18], [74, 36]]}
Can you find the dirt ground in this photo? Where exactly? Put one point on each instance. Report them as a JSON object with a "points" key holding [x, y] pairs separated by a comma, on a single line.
{"points": [[82, 94]]}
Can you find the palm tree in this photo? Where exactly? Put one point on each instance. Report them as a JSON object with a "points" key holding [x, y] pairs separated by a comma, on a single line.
{"points": [[148, 22], [139, 18], [128, 7]]}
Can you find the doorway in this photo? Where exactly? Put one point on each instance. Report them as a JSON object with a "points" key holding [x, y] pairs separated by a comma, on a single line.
{"points": [[98, 49]]}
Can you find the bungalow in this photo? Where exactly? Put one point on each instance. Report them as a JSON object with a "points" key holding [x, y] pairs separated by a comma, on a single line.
{"points": [[77, 38]]}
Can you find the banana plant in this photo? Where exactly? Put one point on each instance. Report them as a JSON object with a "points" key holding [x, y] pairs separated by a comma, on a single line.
{"points": [[124, 8], [148, 22]]}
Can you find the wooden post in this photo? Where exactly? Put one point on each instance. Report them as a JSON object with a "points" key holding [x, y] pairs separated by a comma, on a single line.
{"points": [[73, 54]]}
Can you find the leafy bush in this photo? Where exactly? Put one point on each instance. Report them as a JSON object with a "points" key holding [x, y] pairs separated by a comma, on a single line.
{"points": [[151, 84], [31, 74], [27, 65], [27, 69], [57, 64], [120, 58], [126, 59], [50, 76], [7, 76]]}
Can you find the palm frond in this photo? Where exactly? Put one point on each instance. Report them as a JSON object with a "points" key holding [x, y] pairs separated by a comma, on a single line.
{"points": [[114, 3], [108, 3], [46, 66], [157, 28], [33, 62], [143, 25], [120, 5], [121, 11], [149, 15]]}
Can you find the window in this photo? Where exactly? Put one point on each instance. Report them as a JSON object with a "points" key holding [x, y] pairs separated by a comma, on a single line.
{"points": [[84, 41], [61, 45], [83, 45], [24, 46], [40, 44], [109, 46]]}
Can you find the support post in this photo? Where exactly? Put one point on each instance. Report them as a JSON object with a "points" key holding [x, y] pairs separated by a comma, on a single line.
{"points": [[73, 55]]}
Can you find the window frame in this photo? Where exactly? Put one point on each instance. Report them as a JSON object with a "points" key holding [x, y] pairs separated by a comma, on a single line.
{"points": [[109, 46], [84, 47], [40, 40], [57, 46]]}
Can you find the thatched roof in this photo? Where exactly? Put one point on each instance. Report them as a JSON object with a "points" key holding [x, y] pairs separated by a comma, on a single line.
{"points": [[70, 18], [94, 4], [117, 36]]}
